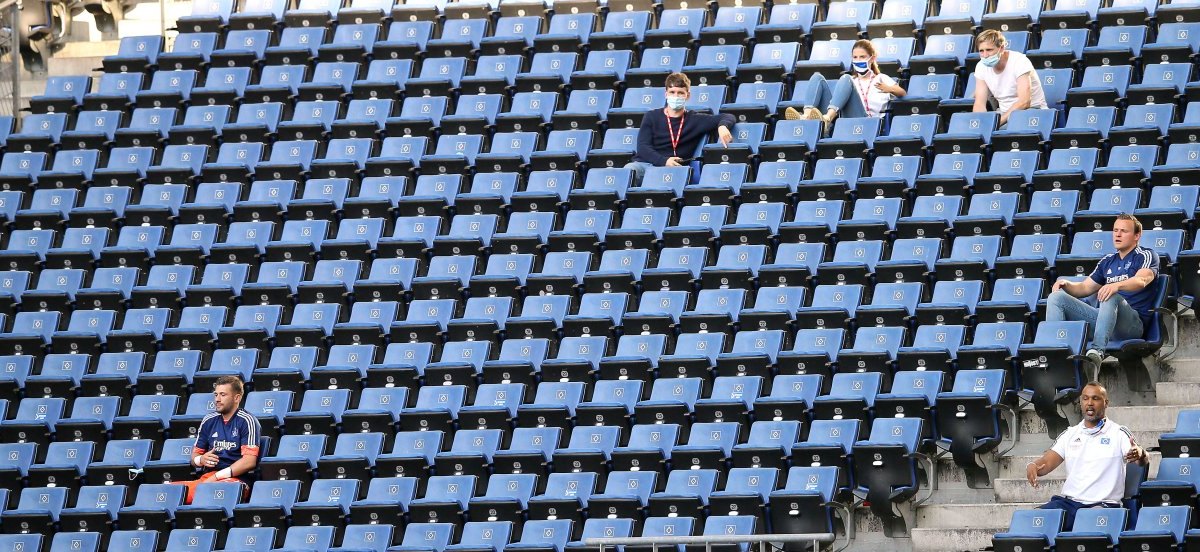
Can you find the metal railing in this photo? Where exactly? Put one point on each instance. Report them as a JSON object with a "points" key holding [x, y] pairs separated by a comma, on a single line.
{"points": [[10, 58], [764, 542]]}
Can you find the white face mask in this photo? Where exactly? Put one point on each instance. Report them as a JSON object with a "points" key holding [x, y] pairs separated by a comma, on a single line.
{"points": [[676, 102]]}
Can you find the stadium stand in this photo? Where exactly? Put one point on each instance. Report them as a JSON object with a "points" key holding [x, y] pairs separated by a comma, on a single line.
{"points": [[407, 227]]}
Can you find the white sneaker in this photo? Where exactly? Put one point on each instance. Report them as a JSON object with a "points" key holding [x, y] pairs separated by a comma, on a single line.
{"points": [[1095, 356]]}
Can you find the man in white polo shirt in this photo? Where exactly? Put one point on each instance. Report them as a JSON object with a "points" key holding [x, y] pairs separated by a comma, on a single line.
{"points": [[1095, 451]]}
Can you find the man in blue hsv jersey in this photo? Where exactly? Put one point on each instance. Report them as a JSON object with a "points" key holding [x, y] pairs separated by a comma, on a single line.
{"points": [[227, 442], [668, 137], [1125, 284]]}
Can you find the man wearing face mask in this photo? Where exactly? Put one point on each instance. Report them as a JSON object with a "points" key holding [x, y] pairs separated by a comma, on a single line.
{"points": [[668, 137], [1096, 451], [1004, 79]]}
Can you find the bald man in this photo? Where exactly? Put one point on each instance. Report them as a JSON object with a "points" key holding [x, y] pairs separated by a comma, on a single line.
{"points": [[1096, 451]]}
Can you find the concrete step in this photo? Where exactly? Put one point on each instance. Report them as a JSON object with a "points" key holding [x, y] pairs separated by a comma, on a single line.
{"points": [[974, 516], [950, 540], [1009, 490], [1178, 392], [1185, 370]]}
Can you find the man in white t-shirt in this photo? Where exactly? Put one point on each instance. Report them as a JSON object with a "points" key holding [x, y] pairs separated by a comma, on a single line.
{"points": [[1004, 79], [1096, 451]]}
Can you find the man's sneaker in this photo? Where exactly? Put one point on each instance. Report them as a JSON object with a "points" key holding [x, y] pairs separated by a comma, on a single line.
{"points": [[1095, 356]]}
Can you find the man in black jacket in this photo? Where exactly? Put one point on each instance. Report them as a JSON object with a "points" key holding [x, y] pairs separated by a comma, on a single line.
{"points": [[668, 137]]}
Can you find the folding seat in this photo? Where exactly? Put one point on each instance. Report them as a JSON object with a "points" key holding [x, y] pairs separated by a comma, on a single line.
{"points": [[830, 56], [387, 499], [567, 493], [256, 122], [753, 353], [1174, 486], [685, 494], [709, 444], [116, 372], [601, 528], [886, 466], [1104, 207], [578, 359], [254, 539], [201, 123], [135, 54], [791, 141], [80, 246], [899, 18], [296, 46], [813, 223], [62, 94], [277, 83], [1058, 343], [1086, 249], [39, 132], [60, 375], [786, 23], [93, 130], [412, 453], [313, 537], [37, 511], [1073, 168], [988, 213], [154, 505], [1050, 211], [243, 49], [271, 502], [755, 102], [875, 348], [1032, 528], [1101, 85], [446, 497], [47, 208], [170, 89], [190, 51], [1170, 207], [1158, 527], [1176, 168], [844, 22], [1027, 129], [428, 536], [971, 258], [115, 92], [626, 494], [1062, 46], [1143, 123], [295, 459]]}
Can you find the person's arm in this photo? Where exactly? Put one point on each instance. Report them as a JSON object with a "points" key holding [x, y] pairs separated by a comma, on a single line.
{"points": [[725, 128], [981, 95], [645, 148], [1077, 289], [201, 456], [1047, 463], [249, 448], [1142, 278], [1024, 92], [892, 87], [1136, 454]]}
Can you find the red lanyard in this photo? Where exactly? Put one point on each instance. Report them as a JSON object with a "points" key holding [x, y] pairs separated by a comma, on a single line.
{"points": [[675, 135], [862, 93]]}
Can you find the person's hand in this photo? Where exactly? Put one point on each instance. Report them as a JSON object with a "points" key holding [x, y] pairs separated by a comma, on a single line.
{"points": [[1031, 473], [674, 162], [1059, 284], [883, 87], [724, 135], [207, 460], [1106, 291], [1135, 454]]}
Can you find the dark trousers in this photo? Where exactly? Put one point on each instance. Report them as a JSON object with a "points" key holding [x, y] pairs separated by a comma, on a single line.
{"points": [[1069, 507]]}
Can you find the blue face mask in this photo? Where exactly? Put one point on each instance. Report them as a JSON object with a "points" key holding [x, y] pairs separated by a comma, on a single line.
{"points": [[990, 61], [861, 66], [676, 102]]}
